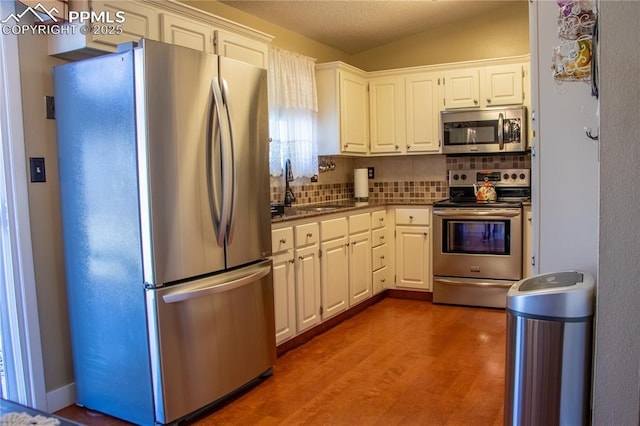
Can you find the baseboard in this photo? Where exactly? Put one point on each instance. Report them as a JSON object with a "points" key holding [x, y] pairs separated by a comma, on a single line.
{"points": [[60, 398]]}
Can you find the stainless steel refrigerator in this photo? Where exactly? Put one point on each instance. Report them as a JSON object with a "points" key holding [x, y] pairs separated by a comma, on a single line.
{"points": [[163, 168]]}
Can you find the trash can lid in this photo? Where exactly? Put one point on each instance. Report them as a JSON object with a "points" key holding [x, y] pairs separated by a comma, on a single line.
{"points": [[568, 294]]}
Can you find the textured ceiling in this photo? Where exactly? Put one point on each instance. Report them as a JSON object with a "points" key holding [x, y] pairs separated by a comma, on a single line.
{"points": [[355, 26]]}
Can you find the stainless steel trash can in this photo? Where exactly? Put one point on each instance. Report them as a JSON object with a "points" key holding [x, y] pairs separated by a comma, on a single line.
{"points": [[549, 348]]}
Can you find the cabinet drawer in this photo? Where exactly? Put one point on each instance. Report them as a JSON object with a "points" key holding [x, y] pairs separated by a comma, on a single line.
{"points": [[359, 223], [380, 278], [413, 216], [378, 236], [306, 234], [378, 219], [379, 257], [334, 228], [281, 239]]}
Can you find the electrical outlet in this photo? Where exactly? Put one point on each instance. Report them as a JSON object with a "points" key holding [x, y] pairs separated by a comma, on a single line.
{"points": [[371, 172], [37, 169]]}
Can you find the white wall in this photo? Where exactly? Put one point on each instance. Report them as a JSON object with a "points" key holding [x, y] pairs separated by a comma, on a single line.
{"points": [[565, 167], [617, 365]]}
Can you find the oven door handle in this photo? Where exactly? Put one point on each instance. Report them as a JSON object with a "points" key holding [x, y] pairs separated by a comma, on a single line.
{"points": [[466, 213]]}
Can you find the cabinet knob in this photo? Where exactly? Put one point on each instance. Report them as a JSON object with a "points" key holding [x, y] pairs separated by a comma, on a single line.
{"points": [[382, 237], [346, 145], [292, 261], [488, 100], [425, 234], [475, 101], [346, 245], [300, 257], [309, 235], [353, 243], [381, 257], [283, 240], [397, 147], [410, 217], [408, 146], [383, 280]]}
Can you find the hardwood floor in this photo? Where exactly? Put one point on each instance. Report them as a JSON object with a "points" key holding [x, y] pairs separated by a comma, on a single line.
{"points": [[399, 362]]}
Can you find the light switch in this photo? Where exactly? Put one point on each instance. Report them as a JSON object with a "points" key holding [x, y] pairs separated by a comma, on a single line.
{"points": [[37, 169]]}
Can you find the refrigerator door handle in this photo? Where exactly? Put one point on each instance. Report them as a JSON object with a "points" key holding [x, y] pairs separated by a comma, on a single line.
{"points": [[215, 287], [233, 172], [222, 212]]}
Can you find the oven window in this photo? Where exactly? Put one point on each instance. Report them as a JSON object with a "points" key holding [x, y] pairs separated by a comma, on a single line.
{"points": [[476, 236]]}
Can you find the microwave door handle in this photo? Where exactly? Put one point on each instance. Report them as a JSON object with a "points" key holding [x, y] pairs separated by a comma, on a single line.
{"points": [[500, 131]]}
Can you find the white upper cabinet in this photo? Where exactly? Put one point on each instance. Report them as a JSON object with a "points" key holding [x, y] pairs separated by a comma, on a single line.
{"points": [[140, 21], [170, 22], [387, 114], [503, 85], [422, 112], [462, 88], [243, 49], [343, 104], [187, 32]]}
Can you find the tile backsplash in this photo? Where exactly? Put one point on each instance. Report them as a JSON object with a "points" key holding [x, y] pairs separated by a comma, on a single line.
{"points": [[405, 179]]}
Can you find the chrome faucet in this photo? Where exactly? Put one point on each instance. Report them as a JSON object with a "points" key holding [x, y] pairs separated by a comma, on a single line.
{"points": [[288, 177]]}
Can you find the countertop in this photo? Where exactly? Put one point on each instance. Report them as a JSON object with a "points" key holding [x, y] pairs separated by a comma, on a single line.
{"points": [[305, 211], [14, 413]]}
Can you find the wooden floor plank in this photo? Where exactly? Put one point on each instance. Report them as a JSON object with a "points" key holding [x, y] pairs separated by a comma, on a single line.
{"points": [[399, 362]]}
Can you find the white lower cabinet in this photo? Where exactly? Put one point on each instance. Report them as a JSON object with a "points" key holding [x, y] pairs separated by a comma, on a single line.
{"points": [[359, 258], [413, 248], [307, 271], [334, 266], [284, 295], [380, 255]]}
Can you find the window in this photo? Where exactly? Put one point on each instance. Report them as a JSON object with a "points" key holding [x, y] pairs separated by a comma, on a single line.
{"points": [[293, 105]]}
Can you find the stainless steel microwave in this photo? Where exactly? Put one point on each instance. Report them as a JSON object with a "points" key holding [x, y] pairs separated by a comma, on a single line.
{"points": [[487, 130]]}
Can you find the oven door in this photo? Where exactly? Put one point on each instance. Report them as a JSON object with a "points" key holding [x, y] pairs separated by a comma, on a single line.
{"points": [[478, 243]]}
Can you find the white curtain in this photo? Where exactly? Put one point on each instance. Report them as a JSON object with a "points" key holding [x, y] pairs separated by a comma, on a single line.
{"points": [[293, 103]]}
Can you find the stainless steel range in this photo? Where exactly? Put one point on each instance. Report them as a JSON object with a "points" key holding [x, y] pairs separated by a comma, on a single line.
{"points": [[477, 246]]}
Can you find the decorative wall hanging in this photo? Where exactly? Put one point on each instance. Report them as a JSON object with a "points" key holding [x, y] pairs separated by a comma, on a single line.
{"points": [[573, 58]]}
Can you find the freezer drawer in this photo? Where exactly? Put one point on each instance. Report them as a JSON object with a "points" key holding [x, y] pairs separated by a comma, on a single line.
{"points": [[219, 330]]}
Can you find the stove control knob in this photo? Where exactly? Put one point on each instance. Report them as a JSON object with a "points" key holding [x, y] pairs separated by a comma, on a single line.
{"points": [[522, 176], [456, 177], [505, 176], [514, 176], [463, 176]]}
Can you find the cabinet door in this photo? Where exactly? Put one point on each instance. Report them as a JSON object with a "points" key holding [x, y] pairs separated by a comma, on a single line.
{"points": [[422, 112], [307, 287], [462, 88], [334, 277], [284, 295], [187, 32], [386, 97], [140, 22], [354, 113], [243, 49], [359, 268], [503, 85], [413, 257]]}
